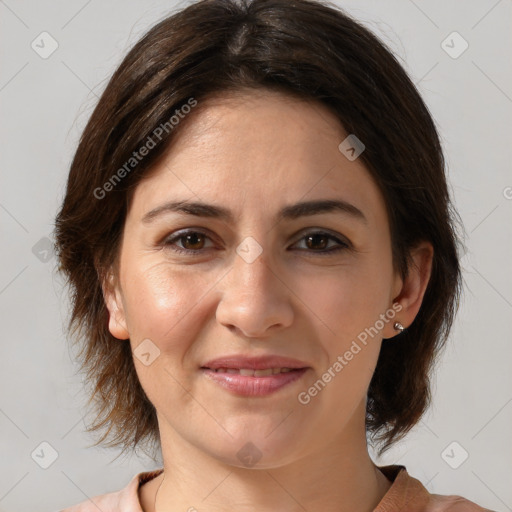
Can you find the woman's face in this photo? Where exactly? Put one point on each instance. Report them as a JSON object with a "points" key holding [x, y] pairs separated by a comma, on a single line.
{"points": [[258, 276]]}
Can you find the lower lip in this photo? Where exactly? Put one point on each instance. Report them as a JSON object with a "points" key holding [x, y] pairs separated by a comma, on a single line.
{"points": [[254, 386]]}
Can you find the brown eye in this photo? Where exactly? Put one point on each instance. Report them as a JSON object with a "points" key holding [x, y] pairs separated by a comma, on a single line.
{"points": [[322, 243], [193, 241], [189, 242], [318, 241]]}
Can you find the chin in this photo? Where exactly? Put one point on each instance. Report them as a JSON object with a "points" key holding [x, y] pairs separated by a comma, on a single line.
{"points": [[259, 447]]}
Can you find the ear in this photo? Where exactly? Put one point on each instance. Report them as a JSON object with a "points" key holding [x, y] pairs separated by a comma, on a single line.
{"points": [[410, 291], [114, 303]]}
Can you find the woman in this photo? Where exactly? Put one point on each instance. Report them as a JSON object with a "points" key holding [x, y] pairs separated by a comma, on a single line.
{"points": [[261, 247]]}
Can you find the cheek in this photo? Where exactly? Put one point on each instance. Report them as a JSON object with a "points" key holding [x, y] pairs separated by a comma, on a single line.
{"points": [[161, 303], [349, 300], [164, 305], [348, 304]]}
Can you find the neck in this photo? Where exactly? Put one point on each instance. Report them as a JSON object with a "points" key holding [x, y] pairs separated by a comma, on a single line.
{"points": [[340, 477]]}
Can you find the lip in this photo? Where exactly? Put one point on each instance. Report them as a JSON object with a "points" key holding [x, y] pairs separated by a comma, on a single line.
{"points": [[254, 363], [248, 385]]}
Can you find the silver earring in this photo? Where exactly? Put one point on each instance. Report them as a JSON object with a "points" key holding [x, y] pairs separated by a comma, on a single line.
{"points": [[398, 327]]}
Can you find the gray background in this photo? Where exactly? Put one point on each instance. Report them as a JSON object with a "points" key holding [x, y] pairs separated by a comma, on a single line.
{"points": [[44, 104]]}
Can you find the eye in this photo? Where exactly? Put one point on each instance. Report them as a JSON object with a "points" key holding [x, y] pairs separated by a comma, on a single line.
{"points": [[318, 242], [193, 242]]}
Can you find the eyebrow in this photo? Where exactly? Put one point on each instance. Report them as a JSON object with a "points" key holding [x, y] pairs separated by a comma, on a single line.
{"points": [[291, 212]]}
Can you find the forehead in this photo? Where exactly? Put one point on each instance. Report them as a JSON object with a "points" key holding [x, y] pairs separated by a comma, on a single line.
{"points": [[260, 149]]}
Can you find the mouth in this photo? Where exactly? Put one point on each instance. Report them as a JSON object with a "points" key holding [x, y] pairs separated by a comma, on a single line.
{"points": [[248, 372], [249, 376]]}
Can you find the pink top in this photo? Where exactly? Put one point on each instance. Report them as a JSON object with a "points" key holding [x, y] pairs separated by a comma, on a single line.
{"points": [[406, 494]]}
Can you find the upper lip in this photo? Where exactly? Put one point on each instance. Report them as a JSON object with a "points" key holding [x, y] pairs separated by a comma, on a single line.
{"points": [[254, 363]]}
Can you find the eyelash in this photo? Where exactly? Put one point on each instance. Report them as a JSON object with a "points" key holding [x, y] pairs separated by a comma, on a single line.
{"points": [[170, 243]]}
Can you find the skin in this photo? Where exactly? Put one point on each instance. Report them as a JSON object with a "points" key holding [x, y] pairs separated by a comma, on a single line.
{"points": [[254, 152]]}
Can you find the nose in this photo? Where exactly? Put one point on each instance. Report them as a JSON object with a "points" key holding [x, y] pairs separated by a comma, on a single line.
{"points": [[255, 300]]}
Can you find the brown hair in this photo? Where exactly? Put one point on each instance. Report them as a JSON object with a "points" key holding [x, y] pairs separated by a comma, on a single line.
{"points": [[306, 48]]}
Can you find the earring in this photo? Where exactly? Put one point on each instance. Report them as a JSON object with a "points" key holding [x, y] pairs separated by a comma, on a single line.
{"points": [[399, 327]]}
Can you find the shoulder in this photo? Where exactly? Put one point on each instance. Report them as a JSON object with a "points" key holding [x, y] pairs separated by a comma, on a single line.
{"points": [[110, 502], [408, 493], [453, 503], [126, 499], [105, 503]]}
